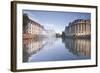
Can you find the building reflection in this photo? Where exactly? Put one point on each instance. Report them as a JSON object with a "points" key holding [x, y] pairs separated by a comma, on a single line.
{"points": [[78, 46], [34, 46], [31, 46]]}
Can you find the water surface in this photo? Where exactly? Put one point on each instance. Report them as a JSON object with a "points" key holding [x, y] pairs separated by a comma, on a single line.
{"points": [[56, 49]]}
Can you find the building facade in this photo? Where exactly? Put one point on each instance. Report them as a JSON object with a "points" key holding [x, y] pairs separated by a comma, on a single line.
{"points": [[78, 28], [32, 28]]}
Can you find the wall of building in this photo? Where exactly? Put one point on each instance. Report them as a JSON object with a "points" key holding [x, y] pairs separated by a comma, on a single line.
{"points": [[32, 28], [78, 28]]}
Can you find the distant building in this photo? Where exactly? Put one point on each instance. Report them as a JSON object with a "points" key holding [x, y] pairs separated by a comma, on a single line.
{"points": [[50, 33], [78, 28]]}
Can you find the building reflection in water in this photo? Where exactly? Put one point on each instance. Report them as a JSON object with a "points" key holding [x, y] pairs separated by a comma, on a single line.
{"points": [[78, 46], [31, 46]]}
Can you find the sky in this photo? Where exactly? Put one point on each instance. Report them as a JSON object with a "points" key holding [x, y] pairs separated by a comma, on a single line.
{"points": [[54, 20]]}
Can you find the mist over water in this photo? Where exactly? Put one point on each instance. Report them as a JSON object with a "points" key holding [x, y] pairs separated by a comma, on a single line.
{"points": [[56, 49]]}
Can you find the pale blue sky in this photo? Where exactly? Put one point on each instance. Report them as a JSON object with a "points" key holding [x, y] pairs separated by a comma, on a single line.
{"points": [[55, 20]]}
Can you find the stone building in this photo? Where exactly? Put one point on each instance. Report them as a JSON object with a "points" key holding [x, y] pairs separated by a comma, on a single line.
{"points": [[78, 28], [31, 28]]}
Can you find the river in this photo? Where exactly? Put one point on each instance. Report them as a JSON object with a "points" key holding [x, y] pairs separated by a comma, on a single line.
{"points": [[56, 49]]}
